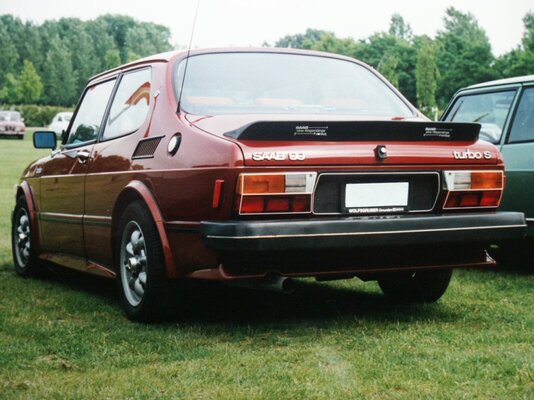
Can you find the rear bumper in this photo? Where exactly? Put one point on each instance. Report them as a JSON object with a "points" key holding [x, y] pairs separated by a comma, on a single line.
{"points": [[363, 232]]}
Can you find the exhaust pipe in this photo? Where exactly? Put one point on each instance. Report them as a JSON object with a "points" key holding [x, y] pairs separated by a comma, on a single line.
{"points": [[273, 283]]}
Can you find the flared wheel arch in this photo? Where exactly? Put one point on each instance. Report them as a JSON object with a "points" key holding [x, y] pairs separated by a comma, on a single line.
{"points": [[24, 189], [137, 190]]}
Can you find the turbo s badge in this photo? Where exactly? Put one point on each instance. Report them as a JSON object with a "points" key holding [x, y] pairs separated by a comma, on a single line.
{"points": [[472, 155]]}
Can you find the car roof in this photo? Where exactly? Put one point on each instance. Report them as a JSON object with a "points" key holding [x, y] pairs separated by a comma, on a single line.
{"points": [[506, 81], [171, 55]]}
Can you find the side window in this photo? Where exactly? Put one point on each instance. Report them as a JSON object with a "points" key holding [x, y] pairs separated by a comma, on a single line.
{"points": [[86, 125], [488, 109], [130, 105], [523, 125]]}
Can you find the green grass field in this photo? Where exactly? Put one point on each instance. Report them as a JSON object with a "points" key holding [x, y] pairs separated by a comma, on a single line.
{"points": [[65, 337]]}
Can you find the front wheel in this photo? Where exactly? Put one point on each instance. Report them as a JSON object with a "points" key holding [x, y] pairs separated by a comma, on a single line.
{"points": [[144, 288], [416, 287]]}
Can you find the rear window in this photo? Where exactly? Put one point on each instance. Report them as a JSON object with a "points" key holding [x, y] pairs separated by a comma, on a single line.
{"points": [[130, 105], [271, 83], [488, 109]]}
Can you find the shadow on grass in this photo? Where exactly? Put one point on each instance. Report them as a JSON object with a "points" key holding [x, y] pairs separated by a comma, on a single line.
{"points": [[205, 303], [313, 303]]}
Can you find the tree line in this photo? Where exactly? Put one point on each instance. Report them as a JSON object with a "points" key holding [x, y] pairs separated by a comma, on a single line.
{"points": [[428, 71], [51, 62]]}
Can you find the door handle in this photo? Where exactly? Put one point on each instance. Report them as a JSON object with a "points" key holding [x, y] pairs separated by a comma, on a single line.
{"points": [[83, 156]]}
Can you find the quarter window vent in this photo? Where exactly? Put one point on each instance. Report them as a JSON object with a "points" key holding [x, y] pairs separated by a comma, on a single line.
{"points": [[146, 147]]}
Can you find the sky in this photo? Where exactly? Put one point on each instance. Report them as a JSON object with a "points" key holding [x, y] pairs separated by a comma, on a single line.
{"points": [[251, 23]]}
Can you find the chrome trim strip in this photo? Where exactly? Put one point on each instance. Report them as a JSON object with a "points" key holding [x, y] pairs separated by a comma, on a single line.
{"points": [[60, 217], [333, 234], [529, 219], [141, 171], [74, 218]]}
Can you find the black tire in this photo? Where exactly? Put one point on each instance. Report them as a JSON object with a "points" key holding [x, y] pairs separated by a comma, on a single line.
{"points": [[145, 291], [416, 287], [21, 137], [23, 249]]}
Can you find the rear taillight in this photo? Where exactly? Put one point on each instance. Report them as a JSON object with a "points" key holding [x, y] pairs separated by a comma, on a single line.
{"points": [[473, 189], [276, 193]]}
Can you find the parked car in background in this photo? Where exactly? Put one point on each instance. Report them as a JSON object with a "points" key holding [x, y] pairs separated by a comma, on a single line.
{"points": [[60, 122], [12, 124], [505, 109], [253, 167]]}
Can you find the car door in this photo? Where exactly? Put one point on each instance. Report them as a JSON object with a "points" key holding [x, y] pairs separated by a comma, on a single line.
{"points": [[518, 153], [110, 167], [63, 176]]}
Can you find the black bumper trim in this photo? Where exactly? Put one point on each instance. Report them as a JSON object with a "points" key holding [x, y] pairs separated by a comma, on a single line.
{"points": [[353, 232]]}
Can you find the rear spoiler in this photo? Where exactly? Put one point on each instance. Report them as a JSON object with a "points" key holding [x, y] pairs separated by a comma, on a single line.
{"points": [[363, 131]]}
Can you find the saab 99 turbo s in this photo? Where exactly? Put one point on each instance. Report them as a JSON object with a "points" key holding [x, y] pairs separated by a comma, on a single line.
{"points": [[254, 167]]}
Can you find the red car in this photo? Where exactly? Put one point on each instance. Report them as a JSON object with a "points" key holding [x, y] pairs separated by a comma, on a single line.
{"points": [[254, 167], [12, 124]]}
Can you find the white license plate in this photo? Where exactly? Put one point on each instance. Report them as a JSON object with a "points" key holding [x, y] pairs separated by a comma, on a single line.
{"points": [[387, 194]]}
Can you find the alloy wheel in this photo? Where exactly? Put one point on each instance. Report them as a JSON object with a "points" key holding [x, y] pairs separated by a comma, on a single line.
{"points": [[133, 263], [22, 238]]}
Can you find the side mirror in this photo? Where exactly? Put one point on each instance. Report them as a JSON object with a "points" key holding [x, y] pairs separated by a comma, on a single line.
{"points": [[44, 140]]}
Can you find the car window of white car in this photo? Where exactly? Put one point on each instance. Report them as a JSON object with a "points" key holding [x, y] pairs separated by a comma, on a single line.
{"points": [[489, 109]]}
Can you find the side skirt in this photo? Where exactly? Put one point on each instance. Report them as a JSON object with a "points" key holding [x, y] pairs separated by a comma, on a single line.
{"points": [[78, 263]]}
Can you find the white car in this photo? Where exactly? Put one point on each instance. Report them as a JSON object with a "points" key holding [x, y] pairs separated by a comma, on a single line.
{"points": [[60, 122]]}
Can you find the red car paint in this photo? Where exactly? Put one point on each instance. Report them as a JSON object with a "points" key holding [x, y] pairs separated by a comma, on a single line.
{"points": [[75, 206]]}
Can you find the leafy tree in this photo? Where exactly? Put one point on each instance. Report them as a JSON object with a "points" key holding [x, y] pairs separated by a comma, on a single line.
{"points": [[426, 74], [392, 56], [59, 75], [9, 93], [8, 53], [388, 67], [30, 87], [463, 54], [302, 41], [117, 26], [398, 27], [112, 59], [520, 61]]}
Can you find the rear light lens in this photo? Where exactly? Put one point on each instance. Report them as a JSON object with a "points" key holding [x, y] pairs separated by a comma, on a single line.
{"points": [[278, 193], [473, 189]]}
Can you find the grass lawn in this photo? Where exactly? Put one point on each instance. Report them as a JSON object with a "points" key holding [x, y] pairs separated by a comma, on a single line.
{"points": [[66, 337]]}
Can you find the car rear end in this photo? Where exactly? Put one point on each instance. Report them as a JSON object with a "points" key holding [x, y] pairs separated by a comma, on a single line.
{"points": [[356, 207], [341, 176]]}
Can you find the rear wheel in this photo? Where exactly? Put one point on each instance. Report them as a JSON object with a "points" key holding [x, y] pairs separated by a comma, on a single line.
{"points": [[416, 287], [145, 290], [22, 246]]}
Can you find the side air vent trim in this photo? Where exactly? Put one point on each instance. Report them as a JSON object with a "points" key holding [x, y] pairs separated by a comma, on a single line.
{"points": [[147, 147]]}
